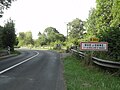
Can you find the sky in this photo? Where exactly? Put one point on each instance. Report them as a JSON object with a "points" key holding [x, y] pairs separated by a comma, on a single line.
{"points": [[36, 15]]}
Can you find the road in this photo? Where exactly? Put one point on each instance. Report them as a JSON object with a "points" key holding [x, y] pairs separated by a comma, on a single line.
{"points": [[32, 70]]}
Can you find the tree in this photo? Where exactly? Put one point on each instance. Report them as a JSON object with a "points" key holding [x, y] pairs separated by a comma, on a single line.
{"points": [[42, 40], [112, 36], [99, 20], [5, 4], [105, 22], [76, 30], [50, 33], [1, 33], [39, 34], [53, 35], [21, 39], [25, 38], [103, 15], [9, 36], [49, 36], [115, 12], [91, 22], [16, 41], [28, 38]]}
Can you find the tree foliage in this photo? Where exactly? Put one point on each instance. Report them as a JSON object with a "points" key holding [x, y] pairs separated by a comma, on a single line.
{"points": [[42, 40], [1, 33], [75, 30], [104, 22], [21, 39], [8, 35], [5, 4], [28, 38], [91, 22], [112, 36], [49, 36], [115, 12], [25, 38]]}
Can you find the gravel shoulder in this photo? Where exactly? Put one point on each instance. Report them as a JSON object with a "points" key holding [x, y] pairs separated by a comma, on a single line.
{"points": [[63, 55]]}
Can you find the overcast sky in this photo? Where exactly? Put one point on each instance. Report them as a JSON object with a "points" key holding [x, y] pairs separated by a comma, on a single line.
{"points": [[36, 15]]}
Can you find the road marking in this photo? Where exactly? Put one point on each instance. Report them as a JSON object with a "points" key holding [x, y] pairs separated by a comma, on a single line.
{"points": [[5, 70]]}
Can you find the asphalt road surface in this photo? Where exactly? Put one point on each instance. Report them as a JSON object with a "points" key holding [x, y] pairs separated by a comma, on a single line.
{"points": [[32, 70]]}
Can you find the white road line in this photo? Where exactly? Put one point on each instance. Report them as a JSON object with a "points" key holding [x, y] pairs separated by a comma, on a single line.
{"points": [[5, 70]]}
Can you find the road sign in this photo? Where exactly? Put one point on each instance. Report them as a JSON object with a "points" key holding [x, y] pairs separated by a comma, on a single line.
{"points": [[94, 46], [94, 39]]}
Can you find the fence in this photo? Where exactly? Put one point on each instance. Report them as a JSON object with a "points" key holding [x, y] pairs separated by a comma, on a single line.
{"points": [[100, 62]]}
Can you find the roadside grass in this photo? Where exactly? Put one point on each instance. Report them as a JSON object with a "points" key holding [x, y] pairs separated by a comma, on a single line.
{"points": [[80, 77], [42, 48], [60, 51], [16, 52], [39, 48]]}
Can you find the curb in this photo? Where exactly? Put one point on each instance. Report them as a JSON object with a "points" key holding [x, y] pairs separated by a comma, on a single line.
{"points": [[7, 56]]}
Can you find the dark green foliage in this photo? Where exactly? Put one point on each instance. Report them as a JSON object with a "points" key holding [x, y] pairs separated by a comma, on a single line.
{"points": [[112, 36], [1, 33], [8, 35], [16, 41]]}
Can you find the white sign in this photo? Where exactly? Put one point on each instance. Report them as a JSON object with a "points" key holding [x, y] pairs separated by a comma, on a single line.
{"points": [[94, 46]]}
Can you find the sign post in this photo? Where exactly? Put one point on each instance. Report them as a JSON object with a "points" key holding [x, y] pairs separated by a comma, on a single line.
{"points": [[8, 49], [92, 46]]}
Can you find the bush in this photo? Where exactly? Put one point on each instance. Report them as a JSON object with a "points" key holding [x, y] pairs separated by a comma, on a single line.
{"points": [[112, 36]]}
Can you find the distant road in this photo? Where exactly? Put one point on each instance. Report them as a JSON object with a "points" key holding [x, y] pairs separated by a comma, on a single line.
{"points": [[32, 70]]}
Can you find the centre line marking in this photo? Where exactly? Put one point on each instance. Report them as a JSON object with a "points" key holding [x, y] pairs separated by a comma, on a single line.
{"points": [[5, 70]]}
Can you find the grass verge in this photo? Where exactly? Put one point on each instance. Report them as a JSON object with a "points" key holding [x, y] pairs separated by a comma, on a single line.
{"points": [[16, 52], [79, 77]]}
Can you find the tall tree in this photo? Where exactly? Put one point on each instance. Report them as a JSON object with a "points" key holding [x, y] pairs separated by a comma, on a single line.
{"points": [[21, 39], [28, 38], [9, 36], [106, 21], [53, 35], [42, 39], [49, 36], [25, 38], [76, 28], [1, 33], [103, 15], [91, 22], [115, 12]]}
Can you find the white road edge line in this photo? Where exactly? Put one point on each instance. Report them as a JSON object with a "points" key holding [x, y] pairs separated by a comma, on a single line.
{"points": [[5, 70]]}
